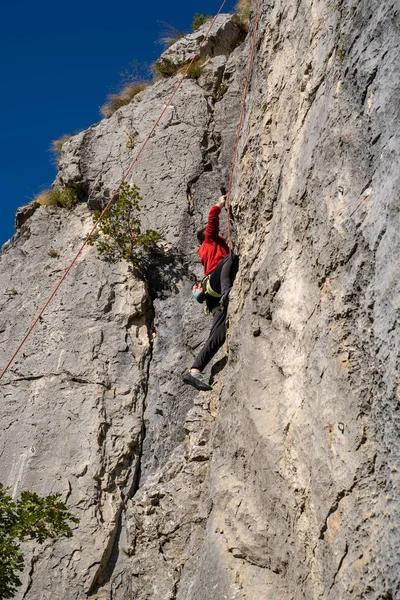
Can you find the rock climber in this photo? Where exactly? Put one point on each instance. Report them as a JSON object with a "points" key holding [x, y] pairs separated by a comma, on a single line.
{"points": [[220, 268]]}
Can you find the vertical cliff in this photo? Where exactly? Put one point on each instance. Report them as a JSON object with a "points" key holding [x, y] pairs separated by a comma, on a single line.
{"points": [[283, 481]]}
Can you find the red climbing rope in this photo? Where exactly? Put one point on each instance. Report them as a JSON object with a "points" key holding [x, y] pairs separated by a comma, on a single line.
{"points": [[239, 129], [135, 159]]}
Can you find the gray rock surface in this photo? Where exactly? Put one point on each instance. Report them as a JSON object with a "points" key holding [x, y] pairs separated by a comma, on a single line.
{"points": [[224, 37], [282, 482]]}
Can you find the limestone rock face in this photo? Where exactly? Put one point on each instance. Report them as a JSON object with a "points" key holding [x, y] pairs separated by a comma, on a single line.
{"points": [[222, 40], [283, 481]]}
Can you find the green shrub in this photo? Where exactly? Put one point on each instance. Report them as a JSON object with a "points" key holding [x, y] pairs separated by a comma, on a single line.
{"points": [[195, 70], [31, 518], [131, 134], [66, 198], [125, 96], [221, 91], [199, 20], [120, 234], [165, 67], [341, 54]]}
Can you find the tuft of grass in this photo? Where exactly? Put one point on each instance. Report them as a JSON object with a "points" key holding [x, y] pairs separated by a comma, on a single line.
{"points": [[124, 97], [170, 35], [242, 15], [53, 253], [341, 54], [56, 145], [65, 198], [199, 20], [131, 134], [11, 293], [195, 70], [167, 68], [221, 91], [47, 198]]}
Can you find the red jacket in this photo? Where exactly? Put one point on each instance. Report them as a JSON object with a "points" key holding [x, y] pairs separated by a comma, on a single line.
{"points": [[214, 248]]}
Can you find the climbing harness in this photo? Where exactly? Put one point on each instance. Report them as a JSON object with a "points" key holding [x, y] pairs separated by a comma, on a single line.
{"points": [[212, 295], [205, 282], [135, 159]]}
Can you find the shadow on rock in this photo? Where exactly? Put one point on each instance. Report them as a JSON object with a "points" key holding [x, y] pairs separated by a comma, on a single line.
{"points": [[163, 272], [217, 368]]}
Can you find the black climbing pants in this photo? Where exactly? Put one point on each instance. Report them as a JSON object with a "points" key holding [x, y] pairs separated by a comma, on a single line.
{"points": [[221, 281], [223, 276], [214, 342]]}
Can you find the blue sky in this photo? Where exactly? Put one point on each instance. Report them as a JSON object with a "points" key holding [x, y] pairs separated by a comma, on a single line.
{"points": [[59, 62]]}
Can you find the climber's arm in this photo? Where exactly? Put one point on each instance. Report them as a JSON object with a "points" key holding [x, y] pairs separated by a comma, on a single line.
{"points": [[212, 229]]}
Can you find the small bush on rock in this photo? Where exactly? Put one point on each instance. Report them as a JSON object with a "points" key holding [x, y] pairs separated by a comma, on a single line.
{"points": [[120, 234], [221, 91], [195, 70], [32, 517], [199, 20], [341, 54], [165, 67]]}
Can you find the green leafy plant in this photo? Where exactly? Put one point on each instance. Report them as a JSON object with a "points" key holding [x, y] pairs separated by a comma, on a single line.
{"points": [[11, 293], [221, 91], [131, 134], [195, 70], [341, 54], [32, 517], [66, 198], [199, 20], [165, 67], [264, 108], [120, 234]]}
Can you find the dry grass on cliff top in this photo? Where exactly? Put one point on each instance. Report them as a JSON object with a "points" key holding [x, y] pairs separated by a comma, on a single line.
{"points": [[65, 198], [56, 145], [242, 13], [126, 95]]}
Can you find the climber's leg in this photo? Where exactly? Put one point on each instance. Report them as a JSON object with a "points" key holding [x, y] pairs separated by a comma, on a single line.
{"points": [[229, 270], [214, 342]]}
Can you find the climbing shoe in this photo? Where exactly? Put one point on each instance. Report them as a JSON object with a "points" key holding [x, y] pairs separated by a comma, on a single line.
{"points": [[196, 380]]}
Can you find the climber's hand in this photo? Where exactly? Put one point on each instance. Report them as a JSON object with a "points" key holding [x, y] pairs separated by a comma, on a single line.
{"points": [[197, 286], [221, 201]]}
